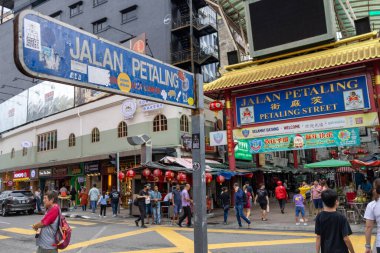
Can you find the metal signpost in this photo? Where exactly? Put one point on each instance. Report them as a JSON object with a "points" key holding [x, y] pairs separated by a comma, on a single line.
{"points": [[48, 49]]}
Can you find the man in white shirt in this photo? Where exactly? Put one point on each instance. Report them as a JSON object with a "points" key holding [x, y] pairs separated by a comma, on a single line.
{"points": [[94, 196]]}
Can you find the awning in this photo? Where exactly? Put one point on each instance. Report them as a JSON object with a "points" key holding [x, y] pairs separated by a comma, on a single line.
{"points": [[347, 54], [332, 163], [345, 170], [358, 163], [21, 180]]}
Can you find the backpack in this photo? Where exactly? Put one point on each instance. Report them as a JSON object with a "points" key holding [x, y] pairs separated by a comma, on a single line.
{"points": [[63, 235]]}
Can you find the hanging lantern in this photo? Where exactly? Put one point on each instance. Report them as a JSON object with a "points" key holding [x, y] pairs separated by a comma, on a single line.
{"points": [[346, 152], [249, 175], [146, 172], [157, 173], [220, 179], [182, 178], [169, 175], [121, 175], [208, 178], [131, 174], [216, 106]]}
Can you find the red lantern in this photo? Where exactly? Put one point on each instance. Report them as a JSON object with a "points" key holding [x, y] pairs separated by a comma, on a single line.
{"points": [[169, 175], [182, 178], [121, 175], [216, 106], [220, 179], [131, 174], [157, 173], [249, 175], [146, 172], [208, 178]]}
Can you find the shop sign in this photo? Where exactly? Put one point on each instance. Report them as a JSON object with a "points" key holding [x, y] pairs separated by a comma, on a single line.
{"points": [[44, 172], [128, 108], [21, 174], [218, 138], [242, 151], [59, 172], [91, 168], [74, 171], [80, 180], [10, 183], [33, 174], [317, 139], [356, 120], [44, 49], [343, 95], [153, 107]]}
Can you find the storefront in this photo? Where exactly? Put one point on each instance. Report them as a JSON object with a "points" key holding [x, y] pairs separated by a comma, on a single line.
{"points": [[108, 174], [21, 179], [45, 179], [6, 181], [34, 180], [61, 178], [92, 175]]}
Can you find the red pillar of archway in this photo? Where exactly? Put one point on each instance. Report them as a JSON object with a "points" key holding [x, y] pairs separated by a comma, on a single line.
{"points": [[230, 139]]}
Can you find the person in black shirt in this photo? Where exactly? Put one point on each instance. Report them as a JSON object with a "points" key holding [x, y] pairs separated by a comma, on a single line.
{"points": [[115, 199], [331, 227], [73, 195], [262, 198], [225, 197], [144, 194]]}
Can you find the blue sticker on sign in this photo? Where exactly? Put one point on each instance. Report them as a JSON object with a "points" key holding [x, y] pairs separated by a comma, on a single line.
{"points": [[52, 50]]}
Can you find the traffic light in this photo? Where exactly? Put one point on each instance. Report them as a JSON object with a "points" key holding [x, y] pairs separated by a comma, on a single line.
{"points": [[112, 159]]}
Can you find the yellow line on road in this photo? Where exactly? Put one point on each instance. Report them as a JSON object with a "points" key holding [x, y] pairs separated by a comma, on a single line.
{"points": [[161, 250], [105, 239], [83, 223], [182, 243], [20, 231], [260, 243], [3, 237]]}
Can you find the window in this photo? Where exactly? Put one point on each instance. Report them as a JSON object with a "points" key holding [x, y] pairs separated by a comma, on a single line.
{"points": [[72, 140], [122, 130], [100, 25], [160, 123], [47, 141], [128, 14], [13, 153], [56, 15], [184, 124], [76, 9], [95, 135], [99, 2], [24, 151]]}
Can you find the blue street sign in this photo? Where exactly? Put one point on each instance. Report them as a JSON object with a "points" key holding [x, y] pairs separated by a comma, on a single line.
{"points": [[52, 50]]}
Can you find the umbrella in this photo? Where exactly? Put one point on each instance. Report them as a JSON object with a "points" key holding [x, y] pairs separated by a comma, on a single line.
{"points": [[328, 164]]}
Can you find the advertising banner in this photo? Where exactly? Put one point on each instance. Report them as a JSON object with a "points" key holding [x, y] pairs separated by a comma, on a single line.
{"points": [[343, 95], [21, 175], [356, 120], [50, 49], [317, 139]]}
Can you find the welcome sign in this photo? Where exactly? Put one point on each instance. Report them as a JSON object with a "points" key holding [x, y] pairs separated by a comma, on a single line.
{"points": [[318, 139], [350, 94], [49, 49]]}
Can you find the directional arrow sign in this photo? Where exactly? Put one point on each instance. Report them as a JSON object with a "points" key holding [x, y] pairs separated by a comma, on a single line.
{"points": [[52, 50]]}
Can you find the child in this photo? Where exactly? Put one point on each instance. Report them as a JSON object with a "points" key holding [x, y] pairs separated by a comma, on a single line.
{"points": [[300, 208], [103, 204], [331, 227]]}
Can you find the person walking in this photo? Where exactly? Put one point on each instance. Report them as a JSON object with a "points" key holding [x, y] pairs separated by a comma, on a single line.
{"points": [[299, 207], [372, 215], [47, 228], [247, 205], [281, 196], [141, 197], [250, 190], [94, 196], [186, 202], [177, 202], [305, 191], [332, 228], [316, 191], [73, 197], [37, 195], [263, 200], [103, 204], [83, 197], [115, 201], [239, 203], [156, 197], [225, 197], [148, 205]]}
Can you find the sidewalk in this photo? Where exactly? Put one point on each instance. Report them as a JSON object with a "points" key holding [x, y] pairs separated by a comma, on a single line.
{"points": [[276, 220]]}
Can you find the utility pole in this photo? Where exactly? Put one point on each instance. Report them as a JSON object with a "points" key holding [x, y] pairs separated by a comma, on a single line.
{"points": [[199, 180], [118, 170]]}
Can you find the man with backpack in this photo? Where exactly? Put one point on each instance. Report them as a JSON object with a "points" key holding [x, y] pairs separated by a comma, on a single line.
{"points": [[47, 228], [240, 201]]}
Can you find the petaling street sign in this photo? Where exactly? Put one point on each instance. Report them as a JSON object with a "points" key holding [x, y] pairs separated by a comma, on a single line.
{"points": [[52, 50], [343, 95], [318, 139]]}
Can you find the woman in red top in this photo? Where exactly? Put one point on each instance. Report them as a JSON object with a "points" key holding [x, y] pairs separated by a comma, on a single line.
{"points": [[83, 199], [247, 206], [281, 196]]}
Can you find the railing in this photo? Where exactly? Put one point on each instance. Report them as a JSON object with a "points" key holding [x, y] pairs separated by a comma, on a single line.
{"points": [[199, 55], [199, 22]]}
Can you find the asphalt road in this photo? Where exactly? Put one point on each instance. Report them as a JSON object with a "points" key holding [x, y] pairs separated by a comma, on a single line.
{"points": [[121, 235]]}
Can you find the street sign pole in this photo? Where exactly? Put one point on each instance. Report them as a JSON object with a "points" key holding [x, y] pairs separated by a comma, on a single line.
{"points": [[199, 181], [118, 170]]}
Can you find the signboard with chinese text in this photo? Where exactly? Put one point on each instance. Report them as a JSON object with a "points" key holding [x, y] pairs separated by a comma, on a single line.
{"points": [[49, 49], [317, 139], [350, 94], [75, 171]]}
